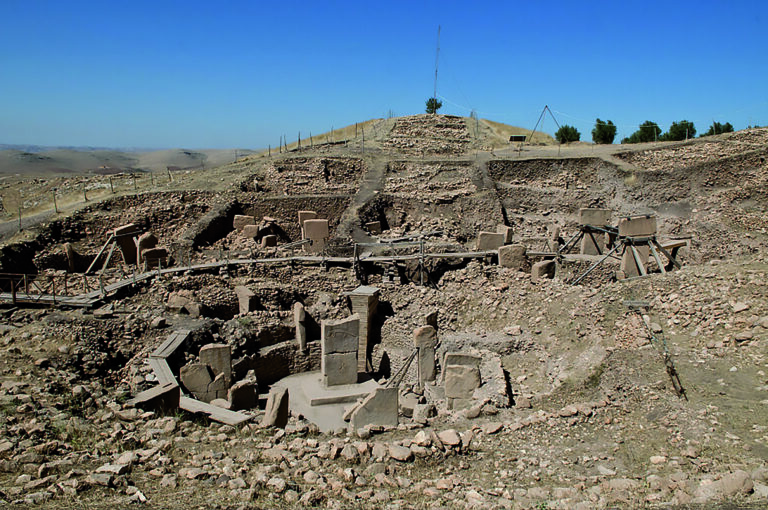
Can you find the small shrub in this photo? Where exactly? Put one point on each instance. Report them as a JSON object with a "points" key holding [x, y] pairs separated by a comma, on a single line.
{"points": [[604, 132], [716, 128], [648, 131], [567, 134], [433, 104], [679, 131]]}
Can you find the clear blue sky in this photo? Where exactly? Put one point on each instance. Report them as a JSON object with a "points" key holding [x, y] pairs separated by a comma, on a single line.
{"points": [[240, 74]]}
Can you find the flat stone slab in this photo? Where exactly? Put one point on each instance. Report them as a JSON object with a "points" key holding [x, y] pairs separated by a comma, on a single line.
{"points": [[323, 406]]}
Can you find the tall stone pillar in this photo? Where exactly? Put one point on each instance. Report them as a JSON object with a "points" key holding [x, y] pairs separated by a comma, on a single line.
{"points": [[338, 341], [364, 301]]}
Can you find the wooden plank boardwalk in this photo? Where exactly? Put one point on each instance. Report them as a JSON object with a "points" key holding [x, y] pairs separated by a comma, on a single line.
{"points": [[214, 413], [94, 297]]}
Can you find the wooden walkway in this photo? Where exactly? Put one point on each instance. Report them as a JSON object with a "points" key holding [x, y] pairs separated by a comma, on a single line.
{"points": [[94, 297]]}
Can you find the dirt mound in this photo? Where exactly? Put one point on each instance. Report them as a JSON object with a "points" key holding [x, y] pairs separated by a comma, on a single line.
{"points": [[428, 134]]}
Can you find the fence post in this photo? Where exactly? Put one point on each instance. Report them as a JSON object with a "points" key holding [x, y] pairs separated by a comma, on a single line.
{"points": [[13, 290], [55, 205], [111, 187], [19, 218]]}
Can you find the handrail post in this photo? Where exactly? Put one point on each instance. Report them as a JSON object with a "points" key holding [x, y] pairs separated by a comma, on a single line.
{"points": [[13, 290]]}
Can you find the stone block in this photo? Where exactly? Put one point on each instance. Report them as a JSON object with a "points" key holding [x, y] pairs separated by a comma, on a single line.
{"points": [[269, 241], [637, 226], [276, 412], [127, 230], [513, 256], [629, 267], [154, 257], [221, 403], [543, 269], [340, 336], [595, 217], [163, 397], [246, 298], [374, 227], [194, 309], [593, 243], [425, 339], [243, 395], [196, 377], [218, 388], [378, 408], [507, 231], [304, 216], [73, 258], [299, 320], [461, 381], [422, 412], [219, 358], [144, 242], [176, 302], [430, 319], [240, 221], [406, 404], [489, 241], [316, 229], [364, 300], [340, 368], [457, 404], [553, 238], [250, 231], [317, 232], [459, 358], [125, 241]]}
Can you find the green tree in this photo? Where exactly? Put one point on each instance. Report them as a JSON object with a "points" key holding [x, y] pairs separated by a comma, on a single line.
{"points": [[716, 128], [433, 104], [604, 132], [567, 134], [678, 131], [648, 131]]}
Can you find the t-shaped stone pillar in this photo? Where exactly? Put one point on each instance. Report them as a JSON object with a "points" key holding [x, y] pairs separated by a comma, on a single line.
{"points": [[636, 227], [124, 236], [593, 242], [338, 342], [364, 301], [425, 340]]}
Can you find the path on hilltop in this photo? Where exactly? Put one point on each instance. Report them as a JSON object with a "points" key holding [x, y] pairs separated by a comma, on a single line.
{"points": [[371, 184]]}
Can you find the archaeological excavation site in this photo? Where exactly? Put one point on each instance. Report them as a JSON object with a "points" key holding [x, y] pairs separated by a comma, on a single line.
{"points": [[418, 315]]}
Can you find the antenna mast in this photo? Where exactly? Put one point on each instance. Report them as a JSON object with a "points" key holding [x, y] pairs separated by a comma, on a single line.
{"points": [[437, 56]]}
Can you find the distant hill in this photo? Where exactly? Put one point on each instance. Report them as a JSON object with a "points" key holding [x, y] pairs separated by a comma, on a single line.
{"points": [[41, 161]]}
